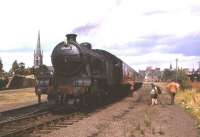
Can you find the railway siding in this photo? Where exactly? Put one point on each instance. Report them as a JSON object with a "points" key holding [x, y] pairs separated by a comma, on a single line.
{"points": [[133, 118], [43, 120]]}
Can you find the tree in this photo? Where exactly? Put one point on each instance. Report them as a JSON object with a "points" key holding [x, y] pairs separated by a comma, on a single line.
{"points": [[1, 65], [21, 68], [183, 79], [21, 65], [3, 76], [1, 68], [168, 75], [28, 71], [15, 66]]}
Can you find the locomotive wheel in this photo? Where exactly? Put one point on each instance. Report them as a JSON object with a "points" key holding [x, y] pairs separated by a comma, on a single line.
{"points": [[83, 101], [63, 98]]}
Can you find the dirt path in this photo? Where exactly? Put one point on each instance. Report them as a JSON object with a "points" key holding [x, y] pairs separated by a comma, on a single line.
{"points": [[133, 117]]}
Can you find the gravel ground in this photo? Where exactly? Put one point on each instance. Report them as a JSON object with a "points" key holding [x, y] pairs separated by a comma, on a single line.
{"points": [[133, 117]]}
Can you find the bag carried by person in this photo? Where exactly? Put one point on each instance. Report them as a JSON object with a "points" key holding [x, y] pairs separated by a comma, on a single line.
{"points": [[153, 91], [159, 90], [156, 90]]}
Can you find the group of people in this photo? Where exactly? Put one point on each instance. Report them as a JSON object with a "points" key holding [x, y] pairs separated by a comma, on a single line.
{"points": [[171, 88]]}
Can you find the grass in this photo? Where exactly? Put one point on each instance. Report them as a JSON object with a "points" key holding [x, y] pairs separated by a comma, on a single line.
{"points": [[142, 132], [190, 100], [138, 127], [19, 96], [147, 120]]}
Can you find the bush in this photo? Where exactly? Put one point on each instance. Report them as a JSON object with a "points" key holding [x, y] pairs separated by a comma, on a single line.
{"points": [[183, 80], [3, 83]]}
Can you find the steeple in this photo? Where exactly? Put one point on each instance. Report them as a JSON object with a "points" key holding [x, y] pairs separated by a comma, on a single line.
{"points": [[38, 49], [38, 54]]}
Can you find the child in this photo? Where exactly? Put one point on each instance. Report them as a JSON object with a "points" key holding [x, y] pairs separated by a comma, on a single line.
{"points": [[154, 95]]}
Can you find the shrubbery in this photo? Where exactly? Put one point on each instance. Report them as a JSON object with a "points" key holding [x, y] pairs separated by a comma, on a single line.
{"points": [[3, 83], [183, 80]]}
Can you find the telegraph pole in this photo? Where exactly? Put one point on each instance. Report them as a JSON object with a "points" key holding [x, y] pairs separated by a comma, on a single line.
{"points": [[176, 69]]}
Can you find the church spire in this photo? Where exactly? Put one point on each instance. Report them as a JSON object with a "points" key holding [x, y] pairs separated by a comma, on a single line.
{"points": [[38, 49], [38, 57]]}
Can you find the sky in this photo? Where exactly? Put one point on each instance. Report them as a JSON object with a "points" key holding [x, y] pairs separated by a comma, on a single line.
{"points": [[140, 32]]}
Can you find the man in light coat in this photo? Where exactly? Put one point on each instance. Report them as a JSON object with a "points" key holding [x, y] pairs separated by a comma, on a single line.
{"points": [[172, 88]]}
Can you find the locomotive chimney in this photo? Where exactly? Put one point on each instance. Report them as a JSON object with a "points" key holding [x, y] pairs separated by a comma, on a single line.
{"points": [[71, 37]]}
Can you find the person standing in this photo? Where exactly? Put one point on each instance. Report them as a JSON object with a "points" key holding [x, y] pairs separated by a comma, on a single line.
{"points": [[154, 95], [132, 89], [172, 88]]}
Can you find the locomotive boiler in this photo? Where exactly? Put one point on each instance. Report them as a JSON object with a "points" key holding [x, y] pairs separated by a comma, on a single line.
{"points": [[82, 73]]}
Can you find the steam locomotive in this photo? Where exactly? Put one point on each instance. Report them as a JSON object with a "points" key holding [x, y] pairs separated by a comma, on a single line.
{"points": [[82, 73]]}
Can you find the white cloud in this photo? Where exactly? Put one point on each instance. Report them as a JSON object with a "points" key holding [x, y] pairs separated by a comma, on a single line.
{"points": [[120, 23], [20, 20], [161, 60], [26, 57], [128, 21]]}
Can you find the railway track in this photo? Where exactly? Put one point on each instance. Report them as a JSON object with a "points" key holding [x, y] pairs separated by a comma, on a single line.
{"points": [[38, 123], [19, 126], [23, 111], [85, 113], [45, 119]]}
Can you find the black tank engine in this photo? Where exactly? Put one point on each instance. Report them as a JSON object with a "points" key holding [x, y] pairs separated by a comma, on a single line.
{"points": [[81, 73]]}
